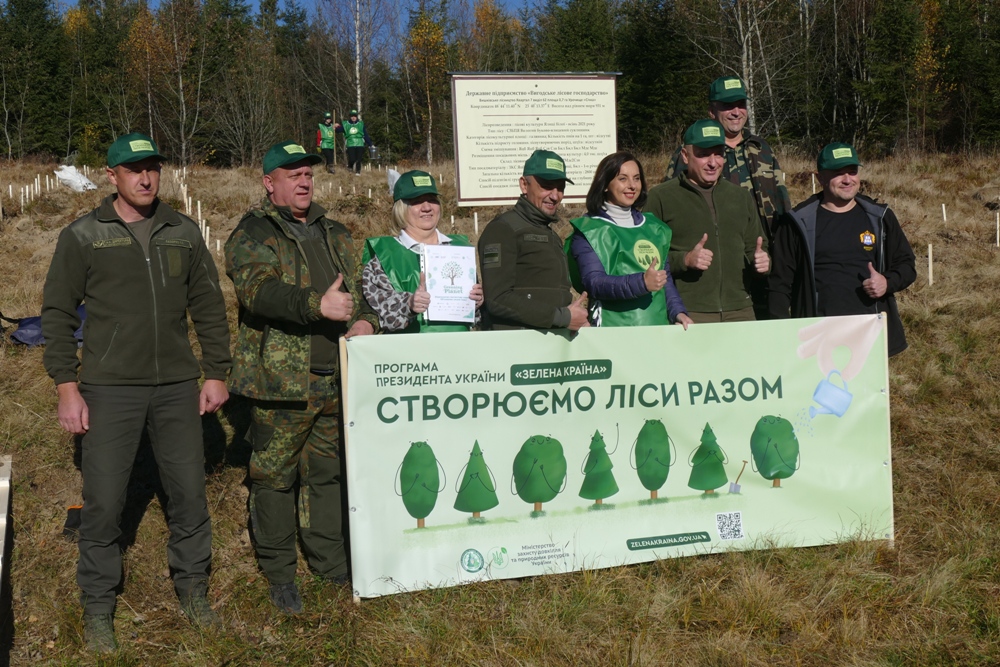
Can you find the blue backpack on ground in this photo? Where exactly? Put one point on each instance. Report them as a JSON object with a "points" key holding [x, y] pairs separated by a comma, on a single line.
{"points": [[29, 329]]}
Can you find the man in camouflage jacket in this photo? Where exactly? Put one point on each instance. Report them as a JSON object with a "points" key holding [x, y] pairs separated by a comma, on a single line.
{"points": [[298, 288], [750, 163]]}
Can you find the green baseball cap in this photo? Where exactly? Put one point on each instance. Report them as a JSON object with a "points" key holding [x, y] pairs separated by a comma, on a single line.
{"points": [[132, 148], [412, 184], [354, 112], [546, 165], [327, 114], [287, 152], [705, 133], [727, 89], [836, 156]]}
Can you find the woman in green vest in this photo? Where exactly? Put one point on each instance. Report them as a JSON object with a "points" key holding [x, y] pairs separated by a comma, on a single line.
{"points": [[619, 254], [392, 281]]}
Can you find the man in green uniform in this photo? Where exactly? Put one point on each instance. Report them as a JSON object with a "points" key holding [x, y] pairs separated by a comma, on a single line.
{"points": [[299, 291], [141, 268], [525, 274], [326, 140], [749, 162], [355, 138], [717, 244]]}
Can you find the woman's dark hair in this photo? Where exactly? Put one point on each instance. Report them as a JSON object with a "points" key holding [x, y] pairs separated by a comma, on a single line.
{"points": [[606, 172]]}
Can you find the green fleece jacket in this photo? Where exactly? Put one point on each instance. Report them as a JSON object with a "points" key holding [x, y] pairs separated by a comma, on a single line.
{"points": [[136, 331], [732, 237]]}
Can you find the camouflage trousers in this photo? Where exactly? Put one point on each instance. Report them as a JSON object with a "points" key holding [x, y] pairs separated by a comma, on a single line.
{"points": [[296, 457]]}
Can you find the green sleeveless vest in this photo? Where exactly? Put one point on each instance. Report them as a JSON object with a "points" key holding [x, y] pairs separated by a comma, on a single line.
{"points": [[402, 266], [624, 251], [354, 133], [327, 136]]}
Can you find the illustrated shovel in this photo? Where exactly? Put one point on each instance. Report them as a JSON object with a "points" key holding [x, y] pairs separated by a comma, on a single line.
{"points": [[734, 487]]}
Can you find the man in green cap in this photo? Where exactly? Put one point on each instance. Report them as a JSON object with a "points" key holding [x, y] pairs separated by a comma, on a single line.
{"points": [[840, 253], [355, 138], [525, 274], [718, 244], [749, 162], [141, 269], [326, 140], [299, 291]]}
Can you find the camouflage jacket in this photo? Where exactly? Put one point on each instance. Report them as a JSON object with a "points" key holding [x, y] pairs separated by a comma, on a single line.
{"points": [[753, 165], [277, 303]]}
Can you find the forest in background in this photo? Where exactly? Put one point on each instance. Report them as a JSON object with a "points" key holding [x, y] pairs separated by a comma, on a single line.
{"points": [[216, 82]]}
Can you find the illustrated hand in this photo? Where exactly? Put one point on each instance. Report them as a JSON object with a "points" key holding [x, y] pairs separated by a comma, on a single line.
{"points": [[360, 328], [476, 294], [74, 415], [698, 257], [578, 313], [876, 285], [421, 299], [213, 395], [684, 320], [761, 262], [337, 305], [822, 338], [654, 279]]}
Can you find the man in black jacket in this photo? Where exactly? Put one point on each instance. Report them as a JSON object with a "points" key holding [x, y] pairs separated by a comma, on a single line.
{"points": [[840, 253]]}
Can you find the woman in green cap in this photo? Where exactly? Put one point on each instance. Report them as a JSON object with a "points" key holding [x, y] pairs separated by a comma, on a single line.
{"points": [[618, 254], [392, 281]]}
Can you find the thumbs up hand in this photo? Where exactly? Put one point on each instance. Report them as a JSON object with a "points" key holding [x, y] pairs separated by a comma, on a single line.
{"points": [[875, 286], [699, 257], [761, 262], [421, 299], [655, 279], [337, 305], [578, 313]]}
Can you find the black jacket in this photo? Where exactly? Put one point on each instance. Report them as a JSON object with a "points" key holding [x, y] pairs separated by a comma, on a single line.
{"points": [[792, 284]]}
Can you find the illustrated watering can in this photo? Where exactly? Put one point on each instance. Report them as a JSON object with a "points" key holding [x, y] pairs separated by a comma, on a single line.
{"points": [[832, 400]]}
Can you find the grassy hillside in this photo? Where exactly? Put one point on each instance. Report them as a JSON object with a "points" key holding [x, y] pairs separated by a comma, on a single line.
{"points": [[932, 599]]}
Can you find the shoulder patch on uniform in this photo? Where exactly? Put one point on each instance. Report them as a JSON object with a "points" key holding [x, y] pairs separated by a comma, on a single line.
{"points": [[536, 238], [180, 243], [113, 243], [491, 254]]}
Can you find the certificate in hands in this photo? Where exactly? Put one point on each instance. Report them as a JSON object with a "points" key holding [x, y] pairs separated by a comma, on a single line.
{"points": [[450, 273]]}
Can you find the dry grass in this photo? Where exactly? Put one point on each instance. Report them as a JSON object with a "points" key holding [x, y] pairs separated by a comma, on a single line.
{"points": [[930, 600]]}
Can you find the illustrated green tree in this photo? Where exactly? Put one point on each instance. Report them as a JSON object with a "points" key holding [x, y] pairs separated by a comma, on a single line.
{"points": [[652, 456], [598, 481], [775, 449], [451, 270], [707, 471], [477, 491], [539, 470], [419, 482]]}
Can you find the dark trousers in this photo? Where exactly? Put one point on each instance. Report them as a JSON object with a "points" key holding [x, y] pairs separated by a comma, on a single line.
{"points": [[328, 156], [297, 457], [354, 156], [117, 417]]}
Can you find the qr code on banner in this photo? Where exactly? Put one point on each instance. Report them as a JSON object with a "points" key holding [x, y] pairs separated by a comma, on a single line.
{"points": [[729, 525]]}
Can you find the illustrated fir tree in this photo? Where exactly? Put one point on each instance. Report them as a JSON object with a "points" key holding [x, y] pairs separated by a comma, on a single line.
{"points": [[539, 470], [419, 481], [707, 471], [775, 449], [598, 481], [652, 456], [476, 490]]}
